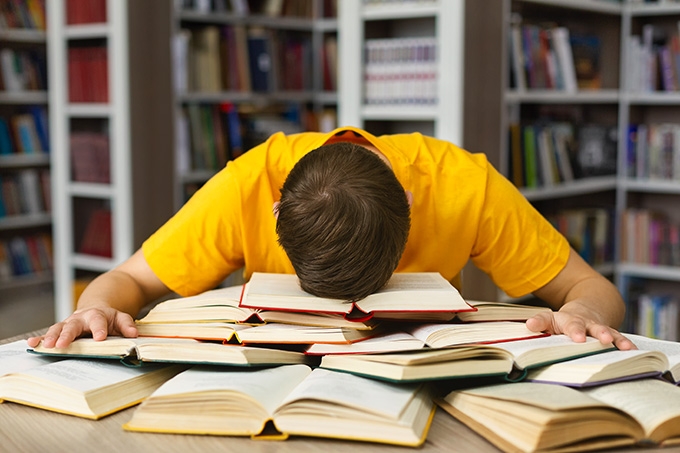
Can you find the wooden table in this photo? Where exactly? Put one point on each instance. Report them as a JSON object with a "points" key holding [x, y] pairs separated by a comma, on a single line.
{"points": [[26, 429]]}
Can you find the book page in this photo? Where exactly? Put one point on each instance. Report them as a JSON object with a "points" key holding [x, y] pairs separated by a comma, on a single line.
{"points": [[268, 387], [387, 400], [86, 375], [230, 295], [14, 358], [649, 401], [440, 335], [670, 348]]}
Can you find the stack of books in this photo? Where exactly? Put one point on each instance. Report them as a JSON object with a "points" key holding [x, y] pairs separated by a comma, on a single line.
{"points": [[274, 361]]}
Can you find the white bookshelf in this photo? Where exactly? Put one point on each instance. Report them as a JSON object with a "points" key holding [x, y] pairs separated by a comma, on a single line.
{"points": [[20, 225], [442, 19], [134, 195]]}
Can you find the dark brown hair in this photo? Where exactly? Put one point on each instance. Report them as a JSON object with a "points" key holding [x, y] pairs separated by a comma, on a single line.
{"points": [[343, 220]]}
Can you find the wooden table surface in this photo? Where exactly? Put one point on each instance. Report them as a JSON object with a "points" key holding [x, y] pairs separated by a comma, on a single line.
{"points": [[25, 429]]}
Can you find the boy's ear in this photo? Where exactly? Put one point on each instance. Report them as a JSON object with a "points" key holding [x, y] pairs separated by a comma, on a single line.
{"points": [[409, 197], [275, 208]]}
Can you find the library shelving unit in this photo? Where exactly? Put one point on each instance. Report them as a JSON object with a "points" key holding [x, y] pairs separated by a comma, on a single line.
{"points": [[616, 102], [25, 217], [243, 73], [442, 21], [110, 111]]}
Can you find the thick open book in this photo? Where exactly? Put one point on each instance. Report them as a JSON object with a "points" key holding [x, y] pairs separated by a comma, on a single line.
{"points": [[288, 400], [671, 349], [222, 305], [531, 417], [410, 296], [264, 333], [510, 360], [84, 388], [499, 311], [135, 351], [450, 334]]}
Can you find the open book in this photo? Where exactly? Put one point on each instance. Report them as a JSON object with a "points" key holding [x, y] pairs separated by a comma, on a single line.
{"points": [[444, 335], [499, 311], [134, 351], [264, 333], [529, 417], [84, 388], [409, 296], [222, 305], [292, 400], [510, 359], [671, 349]]}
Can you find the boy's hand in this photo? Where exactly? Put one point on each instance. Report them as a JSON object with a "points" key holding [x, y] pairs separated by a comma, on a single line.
{"points": [[577, 327], [100, 322]]}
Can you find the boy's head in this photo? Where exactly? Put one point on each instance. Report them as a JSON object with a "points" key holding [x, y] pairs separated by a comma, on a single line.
{"points": [[343, 220]]}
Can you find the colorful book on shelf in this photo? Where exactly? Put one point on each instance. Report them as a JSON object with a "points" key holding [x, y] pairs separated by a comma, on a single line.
{"points": [[84, 388], [510, 360], [410, 296], [533, 417], [138, 351], [293, 400]]}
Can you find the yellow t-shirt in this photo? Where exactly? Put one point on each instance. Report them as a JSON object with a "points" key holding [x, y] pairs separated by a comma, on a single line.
{"points": [[462, 208]]}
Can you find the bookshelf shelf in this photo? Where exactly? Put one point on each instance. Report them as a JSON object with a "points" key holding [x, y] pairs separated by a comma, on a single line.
{"points": [[660, 9], [93, 110], [659, 98], [573, 188], [24, 160], [595, 6], [27, 281], [87, 31], [92, 263], [556, 97], [669, 273], [23, 36], [389, 11], [25, 221], [651, 186], [23, 97], [91, 190], [409, 113]]}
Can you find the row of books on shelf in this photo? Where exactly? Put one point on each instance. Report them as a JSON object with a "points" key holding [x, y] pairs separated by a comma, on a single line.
{"points": [[24, 192], [658, 316], [25, 255], [397, 375], [90, 157], [25, 132], [272, 8], [553, 57], [589, 232], [649, 237], [209, 135], [88, 74], [653, 151], [85, 11], [28, 14], [548, 153], [653, 62], [400, 71], [245, 59], [22, 70]]}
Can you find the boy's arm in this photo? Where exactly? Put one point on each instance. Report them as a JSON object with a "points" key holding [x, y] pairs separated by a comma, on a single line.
{"points": [[108, 304], [587, 304]]}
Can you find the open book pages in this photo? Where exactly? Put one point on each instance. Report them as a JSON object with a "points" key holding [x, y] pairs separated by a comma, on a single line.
{"points": [[14, 358], [406, 294], [533, 417], [85, 388], [264, 333], [293, 399], [509, 359], [386, 342], [670, 348], [222, 305], [134, 351], [499, 311], [443, 335], [603, 368]]}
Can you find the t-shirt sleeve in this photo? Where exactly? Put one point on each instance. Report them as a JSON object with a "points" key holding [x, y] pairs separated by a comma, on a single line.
{"points": [[201, 244], [516, 246]]}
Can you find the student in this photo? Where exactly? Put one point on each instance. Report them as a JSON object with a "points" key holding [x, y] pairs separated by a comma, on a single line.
{"points": [[344, 210]]}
